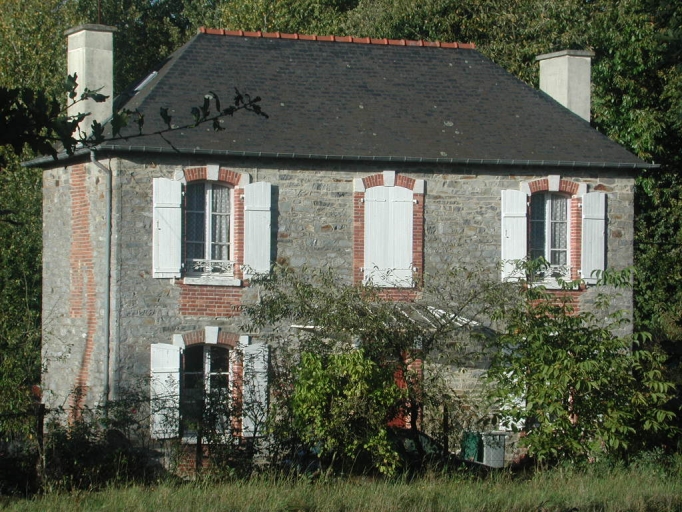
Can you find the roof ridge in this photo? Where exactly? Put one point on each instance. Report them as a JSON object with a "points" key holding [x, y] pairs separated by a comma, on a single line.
{"points": [[340, 39]]}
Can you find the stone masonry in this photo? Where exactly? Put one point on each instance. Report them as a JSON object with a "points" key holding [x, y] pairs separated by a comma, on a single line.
{"points": [[313, 225]]}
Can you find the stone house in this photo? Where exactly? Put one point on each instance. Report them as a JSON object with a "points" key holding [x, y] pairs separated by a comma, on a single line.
{"points": [[387, 160]]}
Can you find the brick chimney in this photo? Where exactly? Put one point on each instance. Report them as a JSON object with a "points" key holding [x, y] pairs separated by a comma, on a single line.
{"points": [[91, 57], [565, 76]]}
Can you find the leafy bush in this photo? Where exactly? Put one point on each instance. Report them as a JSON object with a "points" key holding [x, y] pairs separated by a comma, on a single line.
{"points": [[576, 387], [341, 406]]}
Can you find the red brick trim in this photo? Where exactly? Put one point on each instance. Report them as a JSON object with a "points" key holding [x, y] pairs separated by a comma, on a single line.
{"points": [[377, 180], [198, 337], [338, 39], [83, 296], [566, 186], [210, 301]]}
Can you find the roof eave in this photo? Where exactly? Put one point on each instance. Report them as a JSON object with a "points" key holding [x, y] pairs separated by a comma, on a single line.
{"points": [[119, 148]]}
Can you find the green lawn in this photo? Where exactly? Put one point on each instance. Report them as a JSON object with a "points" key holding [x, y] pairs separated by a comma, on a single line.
{"points": [[646, 489]]}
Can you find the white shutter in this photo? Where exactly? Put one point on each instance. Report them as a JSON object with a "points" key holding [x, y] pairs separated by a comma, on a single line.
{"points": [[255, 389], [388, 236], [165, 391], [377, 257], [594, 235], [514, 232], [257, 228], [400, 234], [167, 228]]}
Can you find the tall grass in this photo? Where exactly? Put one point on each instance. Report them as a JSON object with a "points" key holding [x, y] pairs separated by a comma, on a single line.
{"points": [[641, 487]]}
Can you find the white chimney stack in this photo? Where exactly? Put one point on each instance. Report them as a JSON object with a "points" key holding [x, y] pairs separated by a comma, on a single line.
{"points": [[565, 76], [91, 57]]}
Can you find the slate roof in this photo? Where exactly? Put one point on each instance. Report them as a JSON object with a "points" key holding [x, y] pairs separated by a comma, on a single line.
{"points": [[363, 100]]}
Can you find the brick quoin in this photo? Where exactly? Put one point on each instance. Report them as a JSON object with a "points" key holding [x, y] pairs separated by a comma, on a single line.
{"points": [[83, 296], [377, 180]]}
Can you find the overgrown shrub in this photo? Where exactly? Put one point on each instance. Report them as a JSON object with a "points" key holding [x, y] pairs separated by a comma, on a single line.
{"points": [[100, 446], [572, 381]]}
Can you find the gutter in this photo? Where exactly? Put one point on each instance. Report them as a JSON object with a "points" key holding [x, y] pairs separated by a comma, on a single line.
{"points": [[117, 148]]}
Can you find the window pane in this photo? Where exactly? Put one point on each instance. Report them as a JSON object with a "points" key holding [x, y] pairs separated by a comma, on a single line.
{"points": [[194, 382], [558, 258], [195, 197], [221, 199], [559, 235], [559, 208], [559, 231], [220, 223], [195, 239], [537, 226], [537, 207], [194, 359], [219, 359], [218, 382], [195, 221]]}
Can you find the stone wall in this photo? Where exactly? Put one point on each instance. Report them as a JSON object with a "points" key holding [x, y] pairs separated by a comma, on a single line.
{"points": [[313, 227]]}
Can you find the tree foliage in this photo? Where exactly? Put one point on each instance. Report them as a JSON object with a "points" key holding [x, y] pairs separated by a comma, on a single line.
{"points": [[341, 405], [577, 387], [348, 360]]}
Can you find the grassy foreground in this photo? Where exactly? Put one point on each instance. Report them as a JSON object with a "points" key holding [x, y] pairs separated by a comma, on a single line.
{"points": [[646, 489]]}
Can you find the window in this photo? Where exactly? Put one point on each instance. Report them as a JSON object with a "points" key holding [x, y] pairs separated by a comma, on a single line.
{"points": [[208, 213], [389, 240], [204, 388], [211, 231], [388, 237], [549, 232], [565, 225], [223, 386]]}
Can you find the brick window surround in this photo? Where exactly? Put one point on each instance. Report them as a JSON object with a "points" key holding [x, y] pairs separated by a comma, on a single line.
{"points": [[574, 191], [203, 300], [389, 178]]}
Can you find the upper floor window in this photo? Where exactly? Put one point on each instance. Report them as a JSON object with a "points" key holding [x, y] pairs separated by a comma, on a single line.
{"points": [[549, 219], [208, 245], [389, 238], [216, 229], [559, 221]]}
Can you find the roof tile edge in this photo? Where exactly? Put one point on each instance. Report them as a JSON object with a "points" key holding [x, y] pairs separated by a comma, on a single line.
{"points": [[338, 39]]}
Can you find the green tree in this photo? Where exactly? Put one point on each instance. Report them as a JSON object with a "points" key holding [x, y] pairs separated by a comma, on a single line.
{"points": [[32, 49], [341, 404], [577, 387], [340, 350]]}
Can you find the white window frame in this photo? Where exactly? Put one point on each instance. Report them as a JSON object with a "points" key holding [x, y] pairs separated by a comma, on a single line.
{"points": [[206, 374], [208, 267], [248, 364], [553, 272], [515, 232], [256, 237]]}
